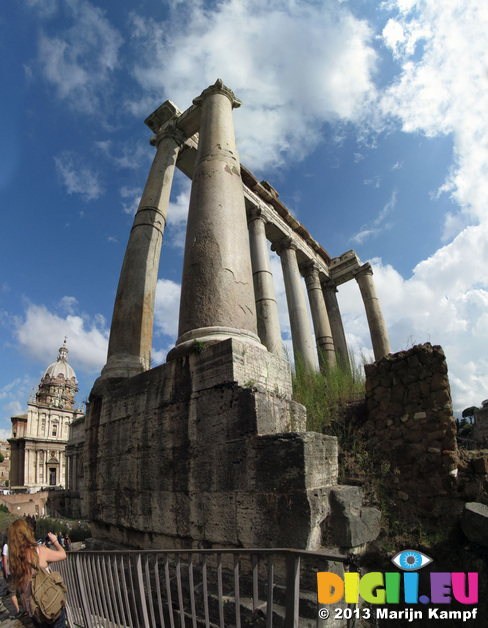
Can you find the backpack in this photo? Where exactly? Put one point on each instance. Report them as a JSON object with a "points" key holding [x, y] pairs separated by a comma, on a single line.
{"points": [[48, 595]]}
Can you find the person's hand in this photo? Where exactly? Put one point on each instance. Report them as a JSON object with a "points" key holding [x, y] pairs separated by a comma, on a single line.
{"points": [[52, 537]]}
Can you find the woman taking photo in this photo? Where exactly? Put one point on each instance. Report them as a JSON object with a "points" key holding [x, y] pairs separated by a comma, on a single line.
{"points": [[24, 556]]}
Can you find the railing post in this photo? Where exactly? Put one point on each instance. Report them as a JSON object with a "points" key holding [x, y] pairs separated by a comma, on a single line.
{"points": [[142, 595], [292, 590], [84, 600]]}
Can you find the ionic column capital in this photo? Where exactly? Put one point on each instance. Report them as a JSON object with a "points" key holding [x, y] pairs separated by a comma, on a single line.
{"points": [[310, 268], [329, 286], [169, 130], [256, 213], [218, 88], [284, 244]]}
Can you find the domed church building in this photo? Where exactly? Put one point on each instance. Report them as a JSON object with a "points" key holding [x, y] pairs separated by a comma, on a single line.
{"points": [[39, 438]]}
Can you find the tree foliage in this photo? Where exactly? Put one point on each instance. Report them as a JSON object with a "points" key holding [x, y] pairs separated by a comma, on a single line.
{"points": [[468, 413]]}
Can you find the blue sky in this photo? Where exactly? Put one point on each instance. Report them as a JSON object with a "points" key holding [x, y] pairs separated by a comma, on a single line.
{"points": [[368, 117]]}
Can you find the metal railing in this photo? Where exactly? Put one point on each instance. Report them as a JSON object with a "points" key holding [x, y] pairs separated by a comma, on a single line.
{"points": [[152, 589]]}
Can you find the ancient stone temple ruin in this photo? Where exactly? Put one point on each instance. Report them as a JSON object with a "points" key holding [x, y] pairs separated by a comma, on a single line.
{"points": [[208, 449]]}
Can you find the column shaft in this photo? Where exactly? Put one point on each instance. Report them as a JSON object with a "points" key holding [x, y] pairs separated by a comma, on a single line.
{"points": [[335, 319], [217, 294], [129, 350], [377, 327], [320, 318], [301, 331], [266, 307]]}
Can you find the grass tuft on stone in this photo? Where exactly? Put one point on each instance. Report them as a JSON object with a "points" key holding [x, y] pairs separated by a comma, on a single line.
{"points": [[328, 395]]}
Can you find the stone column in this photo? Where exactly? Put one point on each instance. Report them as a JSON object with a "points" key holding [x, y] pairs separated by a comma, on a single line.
{"points": [[217, 294], [320, 318], [129, 349], [266, 307], [335, 319], [301, 331], [377, 327]]}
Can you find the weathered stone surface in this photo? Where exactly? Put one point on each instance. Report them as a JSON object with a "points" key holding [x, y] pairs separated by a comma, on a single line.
{"points": [[210, 465], [349, 524], [420, 417], [474, 522]]}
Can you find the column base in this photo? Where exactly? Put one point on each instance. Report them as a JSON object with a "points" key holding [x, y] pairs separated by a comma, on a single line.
{"points": [[122, 366], [198, 339]]}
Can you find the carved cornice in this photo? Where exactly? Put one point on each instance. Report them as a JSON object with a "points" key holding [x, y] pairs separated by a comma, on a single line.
{"points": [[218, 88]]}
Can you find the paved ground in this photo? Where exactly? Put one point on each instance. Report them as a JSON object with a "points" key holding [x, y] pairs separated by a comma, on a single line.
{"points": [[7, 610]]}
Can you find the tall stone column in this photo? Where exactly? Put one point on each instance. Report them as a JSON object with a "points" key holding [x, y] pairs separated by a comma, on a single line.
{"points": [[320, 318], [336, 326], [129, 349], [377, 327], [217, 294], [301, 331], [266, 307]]}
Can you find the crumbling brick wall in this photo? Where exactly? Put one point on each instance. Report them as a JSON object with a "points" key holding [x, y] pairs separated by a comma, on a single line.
{"points": [[411, 426]]}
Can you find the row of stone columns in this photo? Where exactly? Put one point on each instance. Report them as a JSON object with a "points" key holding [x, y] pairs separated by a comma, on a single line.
{"points": [[226, 292]]}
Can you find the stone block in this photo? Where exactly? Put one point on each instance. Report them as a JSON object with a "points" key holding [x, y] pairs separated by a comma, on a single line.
{"points": [[295, 461], [349, 524], [474, 523], [233, 361]]}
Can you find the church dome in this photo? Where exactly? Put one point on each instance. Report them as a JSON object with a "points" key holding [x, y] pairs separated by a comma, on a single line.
{"points": [[61, 366], [58, 384]]}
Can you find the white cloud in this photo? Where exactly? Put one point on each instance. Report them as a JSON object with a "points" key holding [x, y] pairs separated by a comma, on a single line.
{"points": [[445, 91], [40, 333], [379, 224], [79, 60], [166, 309], [76, 178], [178, 215], [13, 401], [316, 79], [132, 197], [444, 302], [131, 156]]}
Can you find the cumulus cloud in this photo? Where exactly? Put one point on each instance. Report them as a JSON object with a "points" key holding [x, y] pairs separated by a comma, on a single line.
{"points": [[41, 332], [166, 309], [77, 178], [79, 61], [445, 90], [436, 304], [316, 80]]}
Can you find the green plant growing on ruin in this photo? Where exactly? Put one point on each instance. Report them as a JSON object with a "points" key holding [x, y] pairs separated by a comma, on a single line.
{"points": [[326, 394], [198, 346]]}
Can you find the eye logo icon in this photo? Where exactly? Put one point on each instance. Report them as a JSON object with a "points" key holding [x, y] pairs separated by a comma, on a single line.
{"points": [[410, 560]]}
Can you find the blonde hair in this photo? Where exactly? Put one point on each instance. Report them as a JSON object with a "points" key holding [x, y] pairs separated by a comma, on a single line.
{"points": [[22, 556]]}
